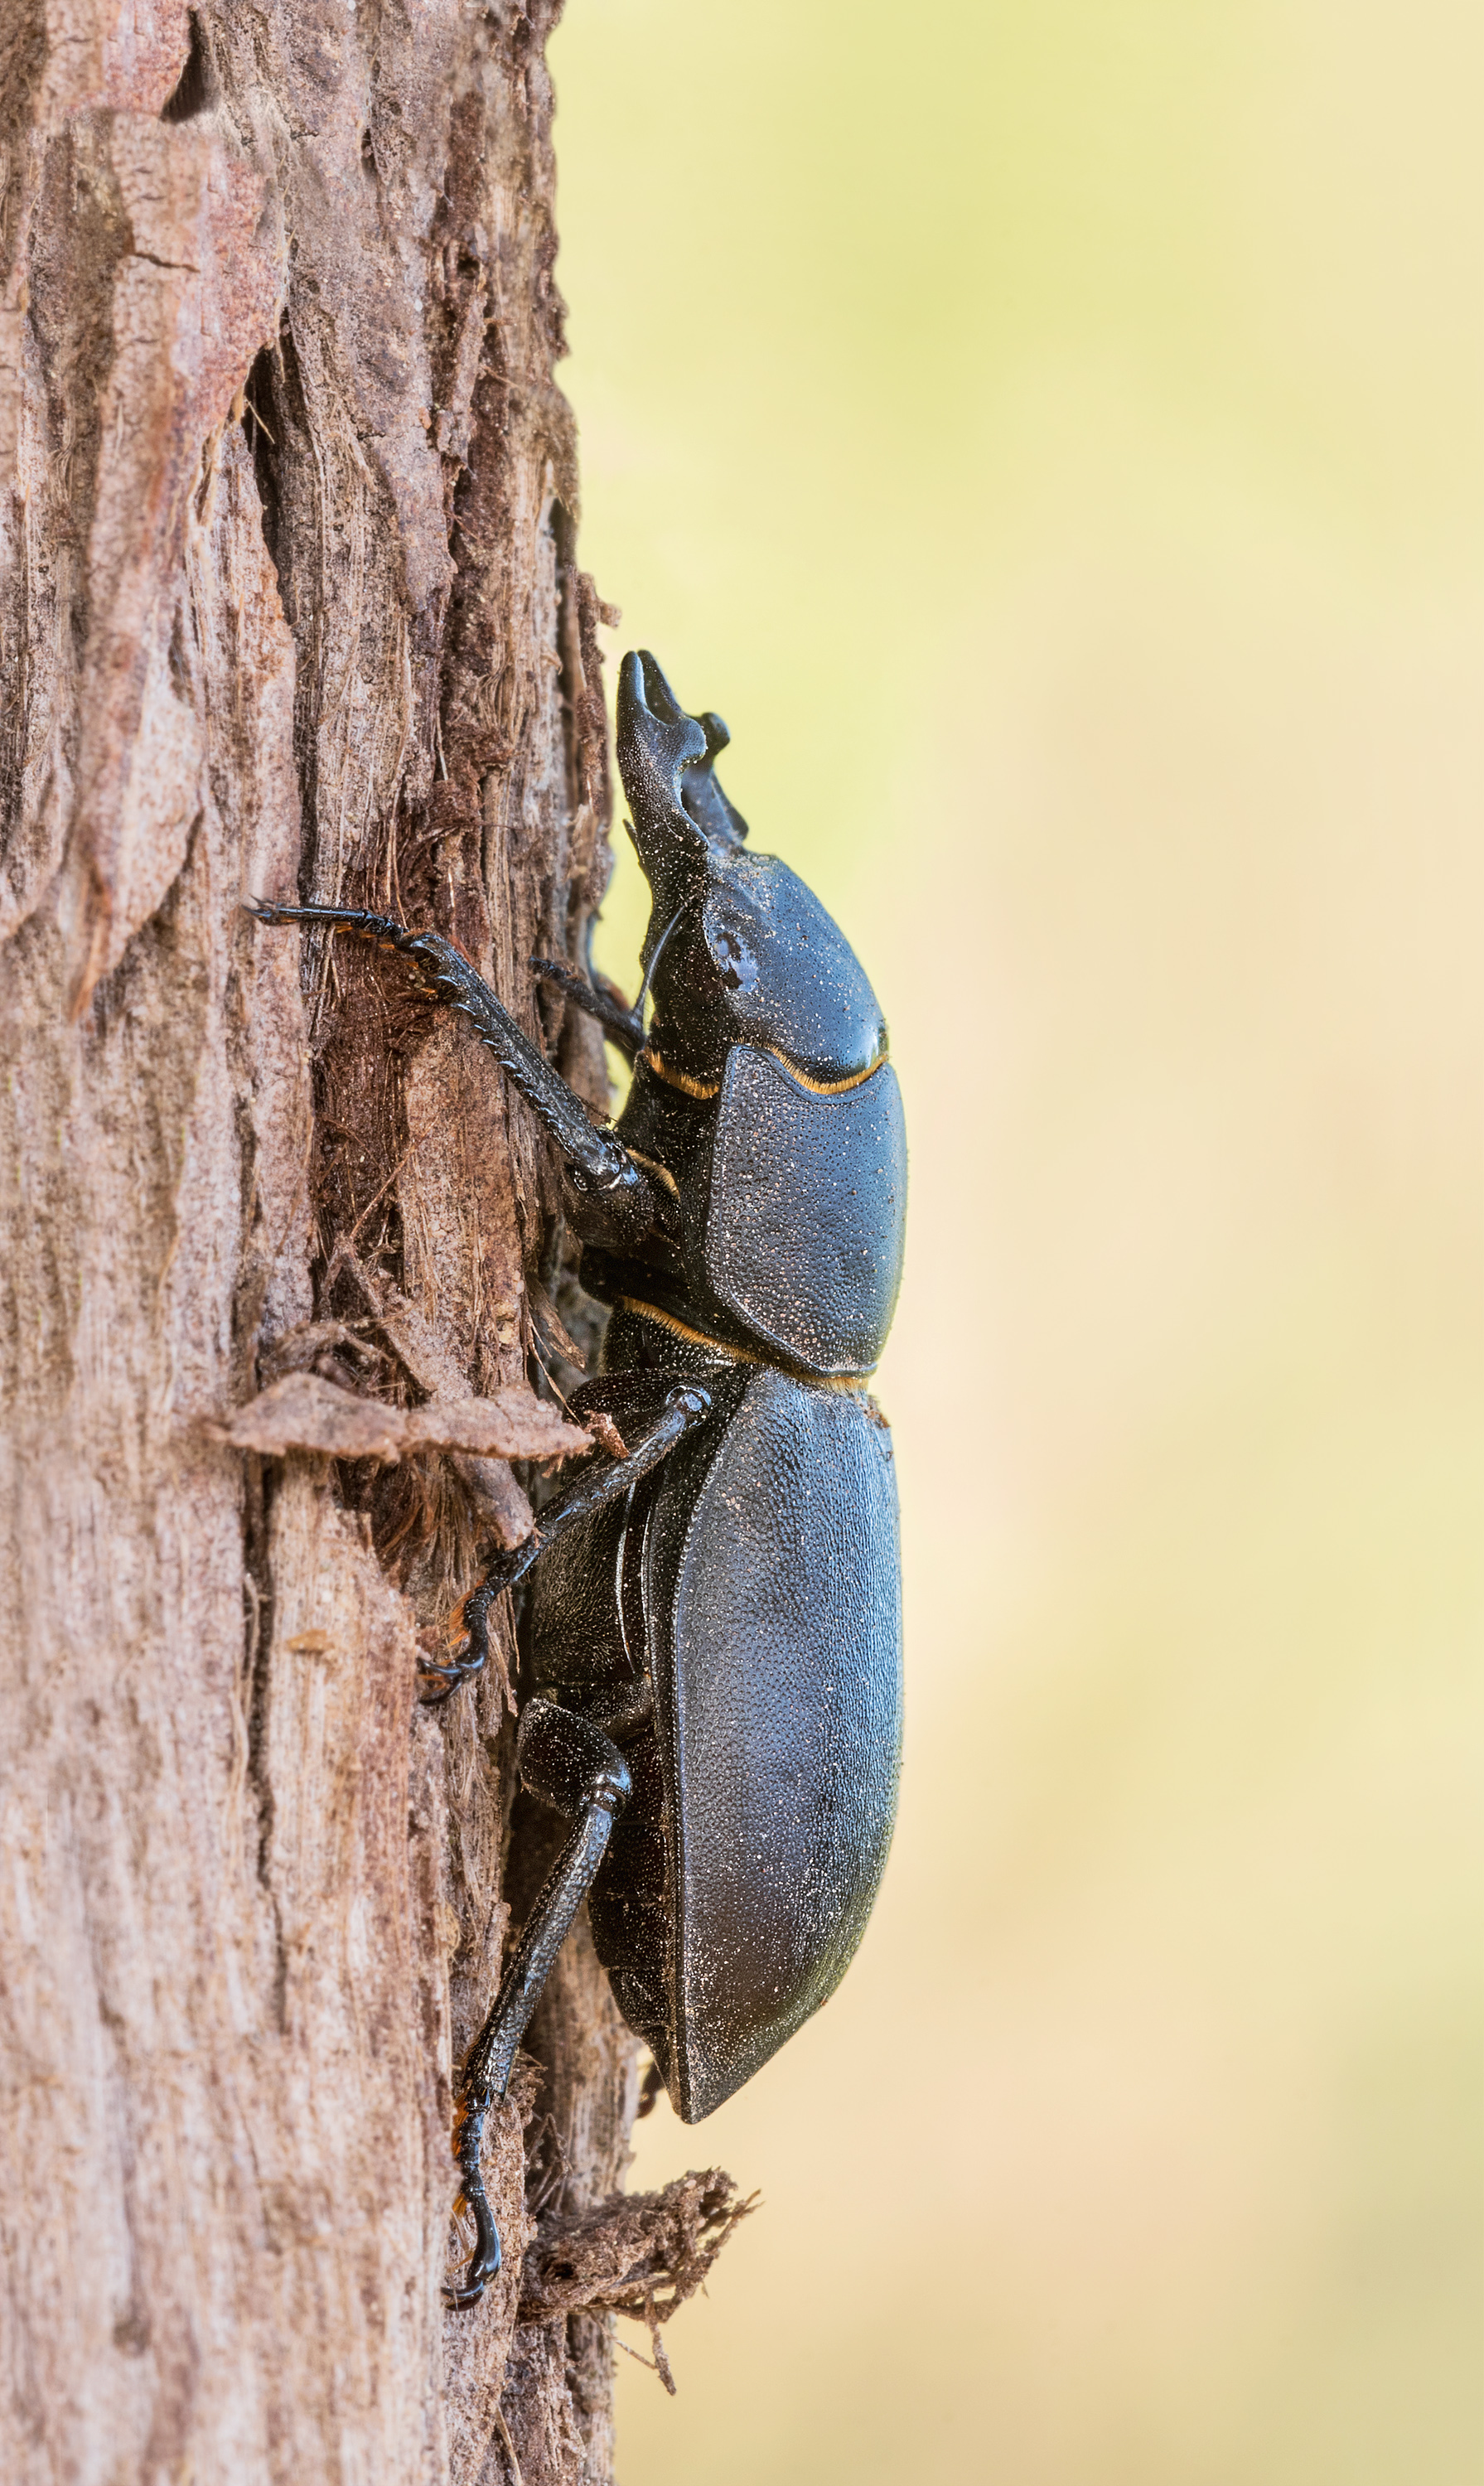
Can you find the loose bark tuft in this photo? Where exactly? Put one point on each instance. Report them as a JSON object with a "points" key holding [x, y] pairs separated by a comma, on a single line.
{"points": [[641, 2253]]}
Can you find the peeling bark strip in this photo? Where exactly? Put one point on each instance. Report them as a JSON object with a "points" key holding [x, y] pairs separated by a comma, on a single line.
{"points": [[303, 1413], [288, 605]]}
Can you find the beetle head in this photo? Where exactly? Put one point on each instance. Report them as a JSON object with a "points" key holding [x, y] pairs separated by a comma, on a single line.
{"points": [[738, 951]]}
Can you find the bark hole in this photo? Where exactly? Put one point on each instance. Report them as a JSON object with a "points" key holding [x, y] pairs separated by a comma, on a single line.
{"points": [[192, 92]]}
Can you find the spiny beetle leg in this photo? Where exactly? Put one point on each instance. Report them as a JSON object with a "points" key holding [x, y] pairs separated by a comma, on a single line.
{"points": [[570, 1763], [621, 1198], [600, 1001], [685, 1407]]}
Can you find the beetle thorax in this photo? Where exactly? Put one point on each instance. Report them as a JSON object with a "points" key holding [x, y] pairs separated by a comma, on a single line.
{"points": [[752, 957]]}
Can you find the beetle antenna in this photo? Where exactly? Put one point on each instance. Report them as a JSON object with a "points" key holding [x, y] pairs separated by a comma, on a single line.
{"points": [[644, 989]]}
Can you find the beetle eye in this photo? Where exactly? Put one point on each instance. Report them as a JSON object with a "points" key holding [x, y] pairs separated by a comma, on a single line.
{"points": [[738, 964]]}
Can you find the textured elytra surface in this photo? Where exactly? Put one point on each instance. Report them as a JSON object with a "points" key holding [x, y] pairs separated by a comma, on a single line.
{"points": [[289, 604], [782, 1768], [757, 1575]]}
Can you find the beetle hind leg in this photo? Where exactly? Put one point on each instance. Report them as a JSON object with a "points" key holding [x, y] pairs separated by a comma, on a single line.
{"points": [[572, 1764]]}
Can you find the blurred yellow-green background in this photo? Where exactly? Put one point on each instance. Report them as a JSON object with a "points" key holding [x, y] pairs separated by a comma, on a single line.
{"points": [[1052, 436]]}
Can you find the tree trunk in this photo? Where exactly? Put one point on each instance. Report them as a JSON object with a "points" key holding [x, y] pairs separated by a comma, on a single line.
{"points": [[290, 607]]}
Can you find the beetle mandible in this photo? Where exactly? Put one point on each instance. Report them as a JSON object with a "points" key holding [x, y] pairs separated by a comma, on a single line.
{"points": [[715, 1626]]}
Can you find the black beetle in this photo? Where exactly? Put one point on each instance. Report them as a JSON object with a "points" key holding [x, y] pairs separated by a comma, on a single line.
{"points": [[715, 1625]]}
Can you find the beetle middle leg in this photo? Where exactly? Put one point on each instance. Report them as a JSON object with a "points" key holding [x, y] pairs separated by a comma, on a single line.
{"points": [[568, 1761], [602, 1000], [685, 1407]]}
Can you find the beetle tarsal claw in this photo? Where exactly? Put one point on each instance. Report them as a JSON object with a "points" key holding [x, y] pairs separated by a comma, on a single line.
{"points": [[447, 1677], [484, 2263]]}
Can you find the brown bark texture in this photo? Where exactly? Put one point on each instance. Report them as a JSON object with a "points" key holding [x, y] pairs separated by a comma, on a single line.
{"points": [[288, 605]]}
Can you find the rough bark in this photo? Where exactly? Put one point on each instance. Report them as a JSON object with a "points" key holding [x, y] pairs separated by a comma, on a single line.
{"points": [[289, 603]]}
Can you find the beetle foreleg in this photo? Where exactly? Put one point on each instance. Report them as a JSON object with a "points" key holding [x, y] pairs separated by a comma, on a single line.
{"points": [[571, 1763], [618, 1201], [684, 1408]]}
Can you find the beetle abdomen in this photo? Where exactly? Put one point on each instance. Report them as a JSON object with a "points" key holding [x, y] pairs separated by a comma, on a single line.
{"points": [[806, 1211], [775, 1585]]}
